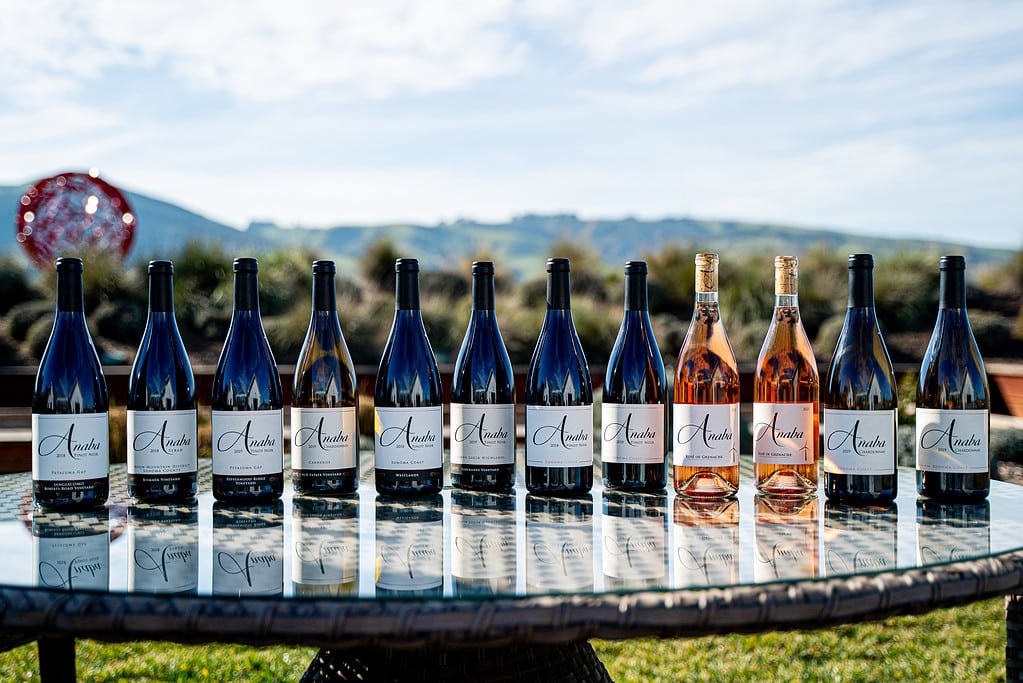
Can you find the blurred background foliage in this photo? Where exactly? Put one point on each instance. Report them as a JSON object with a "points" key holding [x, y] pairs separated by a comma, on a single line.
{"points": [[906, 290]]}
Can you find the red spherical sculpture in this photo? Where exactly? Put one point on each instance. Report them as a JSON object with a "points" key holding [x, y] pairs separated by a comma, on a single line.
{"points": [[71, 213]]}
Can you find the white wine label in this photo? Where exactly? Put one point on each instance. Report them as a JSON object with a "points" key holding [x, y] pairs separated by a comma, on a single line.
{"points": [[248, 442], [70, 447], [482, 434], [75, 563], [162, 442], [410, 555], [783, 433], [785, 550], [483, 546], [953, 441], [324, 438], [559, 555], [859, 551], [705, 435], [559, 436], [326, 551], [163, 558], [859, 441], [409, 438], [706, 555], [253, 568], [632, 433], [634, 548]]}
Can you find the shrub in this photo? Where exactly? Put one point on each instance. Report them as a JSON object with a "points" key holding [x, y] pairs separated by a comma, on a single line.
{"points": [[20, 318], [15, 286]]}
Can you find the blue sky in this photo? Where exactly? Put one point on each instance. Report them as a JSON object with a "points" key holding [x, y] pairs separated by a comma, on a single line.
{"points": [[894, 118]]}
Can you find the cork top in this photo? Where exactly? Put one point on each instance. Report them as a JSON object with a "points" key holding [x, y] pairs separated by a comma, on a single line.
{"points": [[786, 275], [706, 272]]}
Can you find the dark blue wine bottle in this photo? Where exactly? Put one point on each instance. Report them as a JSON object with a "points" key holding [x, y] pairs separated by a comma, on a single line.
{"points": [[408, 402], [860, 402], [70, 421], [248, 431], [559, 399], [632, 412], [325, 400], [483, 397], [162, 431]]}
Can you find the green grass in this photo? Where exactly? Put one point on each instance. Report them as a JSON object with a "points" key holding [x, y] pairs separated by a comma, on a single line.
{"points": [[967, 643]]}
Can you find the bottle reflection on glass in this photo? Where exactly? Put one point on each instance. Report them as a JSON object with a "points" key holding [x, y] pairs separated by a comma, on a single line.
{"points": [[325, 400], [951, 532], [248, 427], [860, 539], [785, 538], [483, 543], [71, 550], [163, 443], [163, 548], [706, 542], [634, 541], [248, 549], [70, 423], [410, 547], [325, 536], [559, 545]]}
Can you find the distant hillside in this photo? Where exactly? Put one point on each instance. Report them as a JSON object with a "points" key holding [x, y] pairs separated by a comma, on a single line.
{"points": [[520, 245]]}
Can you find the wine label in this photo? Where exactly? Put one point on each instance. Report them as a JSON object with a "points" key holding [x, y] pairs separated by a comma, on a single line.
{"points": [[559, 555], [483, 546], [559, 436], [706, 435], [634, 547], [410, 555], [163, 558], [248, 442], [861, 549], [409, 438], [326, 551], [785, 549], [783, 433], [248, 561], [859, 441], [162, 442], [75, 563], [324, 438], [706, 555], [70, 447], [953, 441], [632, 433], [482, 434]]}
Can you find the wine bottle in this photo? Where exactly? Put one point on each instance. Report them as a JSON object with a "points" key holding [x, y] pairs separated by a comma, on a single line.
{"points": [[706, 409], [70, 421], [860, 402], [786, 389], [559, 399], [408, 402], [325, 400], [483, 397], [952, 401], [162, 429], [248, 428], [632, 411]]}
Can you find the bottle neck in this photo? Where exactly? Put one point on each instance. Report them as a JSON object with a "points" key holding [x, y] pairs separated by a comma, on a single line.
{"points": [[161, 293], [483, 292], [952, 289], [324, 293], [636, 292], [406, 294], [246, 292], [69, 293], [558, 296], [861, 288]]}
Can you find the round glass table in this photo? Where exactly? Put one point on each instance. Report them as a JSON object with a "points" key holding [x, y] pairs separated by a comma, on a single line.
{"points": [[479, 576]]}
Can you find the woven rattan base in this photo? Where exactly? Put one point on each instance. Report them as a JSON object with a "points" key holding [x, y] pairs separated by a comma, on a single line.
{"points": [[574, 662]]}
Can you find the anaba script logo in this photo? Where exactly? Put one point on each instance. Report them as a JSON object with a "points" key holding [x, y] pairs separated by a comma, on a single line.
{"points": [[406, 558], [314, 435], [688, 433], [322, 554], [225, 442], [562, 555], [487, 437], [414, 440], [780, 553], [49, 445], [145, 440], [52, 577], [632, 548], [485, 546], [841, 438], [147, 561], [839, 563], [709, 561], [957, 445], [230, 565], [623, 431], [795, 435], [547, 434]]}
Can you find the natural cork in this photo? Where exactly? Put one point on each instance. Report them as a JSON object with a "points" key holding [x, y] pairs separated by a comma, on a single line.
{"points": [[706, 272], [786, 275]]}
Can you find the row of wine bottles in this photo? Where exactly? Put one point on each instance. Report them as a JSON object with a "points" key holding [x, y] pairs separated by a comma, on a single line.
{"points": [[859, 402]]}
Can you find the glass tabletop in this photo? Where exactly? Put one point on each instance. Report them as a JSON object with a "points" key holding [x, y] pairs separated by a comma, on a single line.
{"points": [[475, 545]]}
